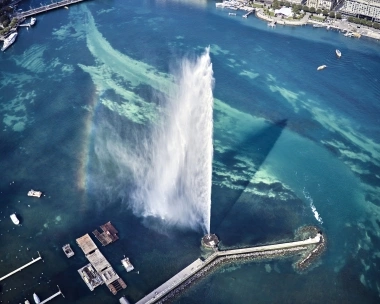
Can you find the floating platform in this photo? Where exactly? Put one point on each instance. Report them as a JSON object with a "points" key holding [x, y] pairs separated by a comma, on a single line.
{"points": [[90, 277], [109, 234], [127, 264], [116, 286], [99, 267], [34, 193], [67, 250], [86, 244]]}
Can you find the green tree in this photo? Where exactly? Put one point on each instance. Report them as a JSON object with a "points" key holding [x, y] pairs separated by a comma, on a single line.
{"points": [[319, 11], [312, 10], [350, 19], [338, 16], [332, 14], [325, 12], [287, 4], [376, 25], [305, 8], [276, 4], [369, 23]]}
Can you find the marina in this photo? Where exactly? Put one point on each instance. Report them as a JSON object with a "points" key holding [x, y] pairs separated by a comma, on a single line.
{"points": [[22, 267]]}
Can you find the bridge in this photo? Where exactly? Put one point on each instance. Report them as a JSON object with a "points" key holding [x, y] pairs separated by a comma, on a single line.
{"points": [[45, 8]]}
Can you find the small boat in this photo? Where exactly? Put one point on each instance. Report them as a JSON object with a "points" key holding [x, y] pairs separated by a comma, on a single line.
{"points": [[66, 7], [36, 299], [9, 41], [27, 302], [321, 67], [272, 24], [232, 14], [34, 193], [338, 53], [67, 250], [14, 219], [127, 264], [33, 21]]}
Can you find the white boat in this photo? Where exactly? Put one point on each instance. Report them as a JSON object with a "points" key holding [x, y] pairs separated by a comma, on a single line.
{"points": [[27, 302], [67, 250], [9, 40], [32, 21], [321, 67], [338, 53], [232, 14], [36, 299], [15, 219], [127, 264], [34, 193]]}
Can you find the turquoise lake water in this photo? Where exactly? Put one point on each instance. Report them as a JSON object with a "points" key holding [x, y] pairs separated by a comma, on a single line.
{"points": [[81, 89]]}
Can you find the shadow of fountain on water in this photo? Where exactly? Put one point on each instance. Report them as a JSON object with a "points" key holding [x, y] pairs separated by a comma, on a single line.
{"points": [[255, 148]]}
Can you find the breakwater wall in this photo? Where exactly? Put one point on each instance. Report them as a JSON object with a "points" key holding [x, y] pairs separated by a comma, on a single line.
{"points": [[198, 269]]}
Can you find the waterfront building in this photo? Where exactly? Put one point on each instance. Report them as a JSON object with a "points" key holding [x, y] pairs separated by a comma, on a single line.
{"points": [[368, 8], [321, 4], [302, 2]]}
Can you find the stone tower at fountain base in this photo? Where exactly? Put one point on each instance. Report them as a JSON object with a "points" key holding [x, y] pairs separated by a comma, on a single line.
{"points": [[210, 241]]}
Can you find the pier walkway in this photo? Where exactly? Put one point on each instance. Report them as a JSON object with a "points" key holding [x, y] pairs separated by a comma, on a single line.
{"points": [[53, 296], [197, 265], [22, 267], [45, 8]]}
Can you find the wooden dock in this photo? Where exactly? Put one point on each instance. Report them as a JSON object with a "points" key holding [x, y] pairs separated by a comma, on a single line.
{"points": [[46, 8], [22, 267], [103, 271], [108, 236]]}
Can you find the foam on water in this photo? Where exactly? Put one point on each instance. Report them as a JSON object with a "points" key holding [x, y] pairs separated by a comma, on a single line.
{"points": [[312, 206]]}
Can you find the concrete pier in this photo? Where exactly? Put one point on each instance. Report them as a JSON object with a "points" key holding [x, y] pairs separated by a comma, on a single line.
{"points": [[197, 265], [22, 267]]}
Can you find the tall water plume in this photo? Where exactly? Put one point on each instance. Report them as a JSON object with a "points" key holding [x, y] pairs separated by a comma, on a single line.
{"points": [[173, 177], [168, 163]]}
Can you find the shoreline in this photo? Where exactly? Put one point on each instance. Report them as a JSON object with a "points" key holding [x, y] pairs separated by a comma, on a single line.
{"points": [[336, 24]]}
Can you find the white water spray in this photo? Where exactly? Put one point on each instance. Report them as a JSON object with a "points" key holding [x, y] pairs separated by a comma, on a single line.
{"points": [[174, 171], [312, 206]]}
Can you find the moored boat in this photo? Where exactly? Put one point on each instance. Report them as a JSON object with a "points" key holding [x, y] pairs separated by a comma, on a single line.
{"points": [[127, 264], [67, 250], [33, 21], [9, 41], [34, 193], [14, 219], [338, 53], [36, 299], [321, 67]]}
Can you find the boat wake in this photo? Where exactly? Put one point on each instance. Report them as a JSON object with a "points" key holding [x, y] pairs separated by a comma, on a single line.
{"points": [[312, 206]]}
